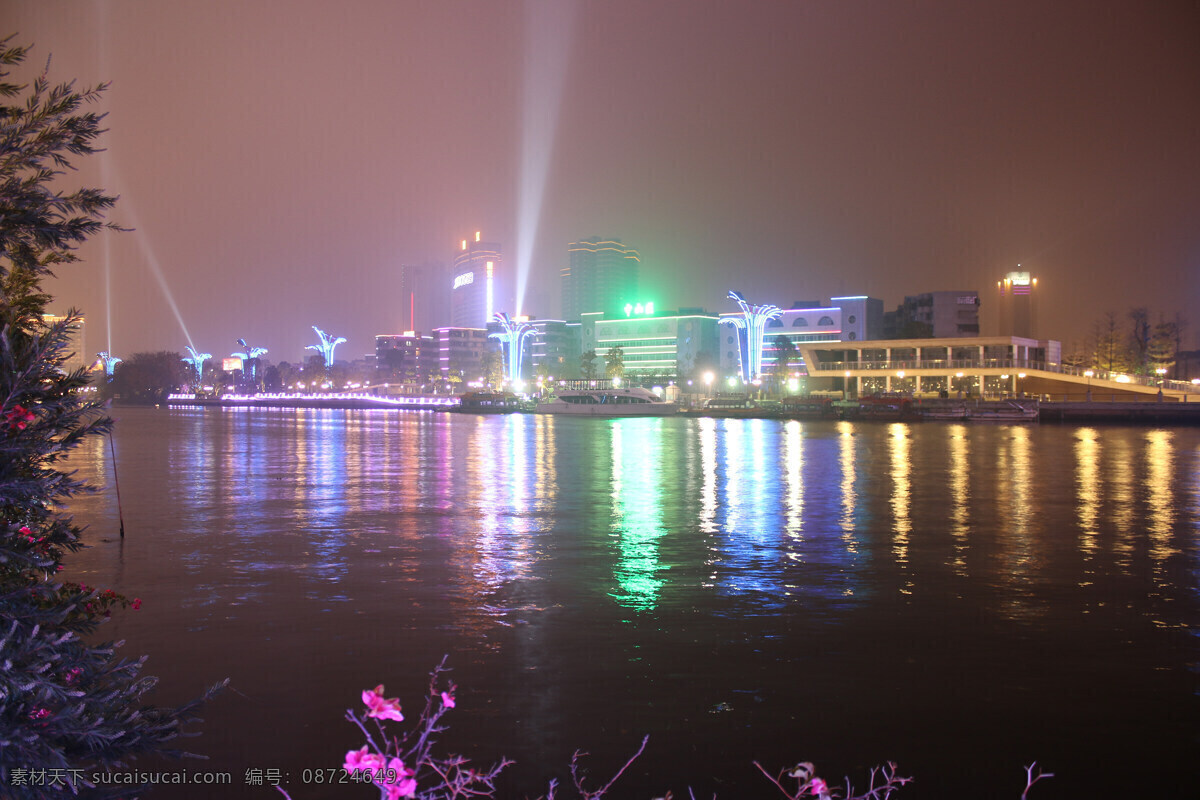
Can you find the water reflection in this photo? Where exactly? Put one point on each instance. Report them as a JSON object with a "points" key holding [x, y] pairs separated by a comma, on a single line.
{"points": [[901, 490], [1160, 469], [1088, 490], [960, 494], [793, 478], [674, 558], [637, 511]]}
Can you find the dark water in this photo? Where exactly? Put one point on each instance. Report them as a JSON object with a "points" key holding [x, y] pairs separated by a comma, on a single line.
{"points": [[960, 599]]}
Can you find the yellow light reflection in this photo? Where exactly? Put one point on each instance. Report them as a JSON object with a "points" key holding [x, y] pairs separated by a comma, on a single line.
{"points": [[849, 495], [1088, 490], [1119, 478], [1160, 463], [960, 494]]}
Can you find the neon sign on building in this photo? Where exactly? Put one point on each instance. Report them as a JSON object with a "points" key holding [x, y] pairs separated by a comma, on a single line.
{"points": [[639, 309]]}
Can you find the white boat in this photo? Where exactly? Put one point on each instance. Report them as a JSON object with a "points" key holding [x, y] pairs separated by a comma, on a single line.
{"points": [[634, 402]]}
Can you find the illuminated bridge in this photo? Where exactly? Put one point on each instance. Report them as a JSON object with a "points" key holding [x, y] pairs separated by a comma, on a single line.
{"points": [[979, 366]]}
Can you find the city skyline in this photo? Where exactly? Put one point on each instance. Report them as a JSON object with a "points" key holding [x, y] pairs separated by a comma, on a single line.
{"points": [[278, 174]]}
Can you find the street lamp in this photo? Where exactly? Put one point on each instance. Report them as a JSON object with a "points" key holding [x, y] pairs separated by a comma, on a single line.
{"points": [[1089, 373]]}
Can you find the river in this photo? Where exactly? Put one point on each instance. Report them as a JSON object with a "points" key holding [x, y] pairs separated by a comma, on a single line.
{"points": [[960, 599]]}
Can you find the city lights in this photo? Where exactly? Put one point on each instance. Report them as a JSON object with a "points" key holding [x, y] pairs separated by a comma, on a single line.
{"points": [[513, 337], [110, 361], [327, 345], [197, 361], [754, 321]]}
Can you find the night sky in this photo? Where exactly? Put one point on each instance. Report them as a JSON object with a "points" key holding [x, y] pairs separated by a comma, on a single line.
{"points": [[279, 160]]}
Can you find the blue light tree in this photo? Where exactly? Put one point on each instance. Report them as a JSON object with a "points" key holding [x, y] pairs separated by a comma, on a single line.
{"points": [[110, 362], [325, 348], [513, 337], [197, 361], [754, 322], [249, 356]]}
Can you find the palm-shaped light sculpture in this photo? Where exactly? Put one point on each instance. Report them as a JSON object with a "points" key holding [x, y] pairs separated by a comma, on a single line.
{"points": [[197, 361], [513, 335], [325, 348], [110, 362], [754, 322], [249, 355]]}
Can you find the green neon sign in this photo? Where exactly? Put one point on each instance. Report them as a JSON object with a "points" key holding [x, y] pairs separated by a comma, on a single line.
{"points": [[639, 309]]}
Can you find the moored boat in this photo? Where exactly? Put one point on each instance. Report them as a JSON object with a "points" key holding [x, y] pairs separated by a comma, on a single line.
{"points": [[632, 402], [490, 403]]}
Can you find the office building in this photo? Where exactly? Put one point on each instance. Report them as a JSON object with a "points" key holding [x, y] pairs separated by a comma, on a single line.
{"points": [[662, 345], [479, 287], [460, 352], [601, 275]]}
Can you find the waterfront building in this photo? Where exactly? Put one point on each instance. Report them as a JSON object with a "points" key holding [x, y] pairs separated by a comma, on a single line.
{"points": [[556, 347], [941, 315], [601, 275], [409, 357], [862, 317], [478, 287], [965, 366], [844, 318], [460, 352], [666, 345], [1017, 304]]}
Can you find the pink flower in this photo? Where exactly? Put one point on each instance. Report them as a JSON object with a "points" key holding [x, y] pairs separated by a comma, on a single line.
{"points": [[136, 604], [361, 760], [447, 700], [818, 787], [379, 707], [403, 784], [25, 530]]}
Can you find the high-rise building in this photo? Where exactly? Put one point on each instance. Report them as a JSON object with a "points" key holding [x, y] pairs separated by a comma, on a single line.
{"points": [[1016, 305], [78, 358], [601, 275], [478, 288]]}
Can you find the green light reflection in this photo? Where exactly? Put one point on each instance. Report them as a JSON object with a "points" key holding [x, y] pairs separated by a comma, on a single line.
{"points": [[637, 511]]}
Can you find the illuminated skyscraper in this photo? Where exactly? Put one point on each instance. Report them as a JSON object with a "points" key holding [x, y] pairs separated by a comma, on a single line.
{"points": [[476, 285], [601, 275], [1016, 305]]}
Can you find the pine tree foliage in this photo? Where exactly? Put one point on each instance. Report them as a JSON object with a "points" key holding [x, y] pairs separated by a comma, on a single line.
{"points": [[65, 704]]}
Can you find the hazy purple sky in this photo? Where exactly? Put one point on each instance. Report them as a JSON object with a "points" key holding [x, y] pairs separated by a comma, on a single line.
{"points": [[280, 159]]}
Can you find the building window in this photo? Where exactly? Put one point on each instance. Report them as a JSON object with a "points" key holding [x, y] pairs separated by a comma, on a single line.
{"points": [[729, 340], [775, 323], [825, 321], [853, 319], [852, 336], [800, 322]]}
